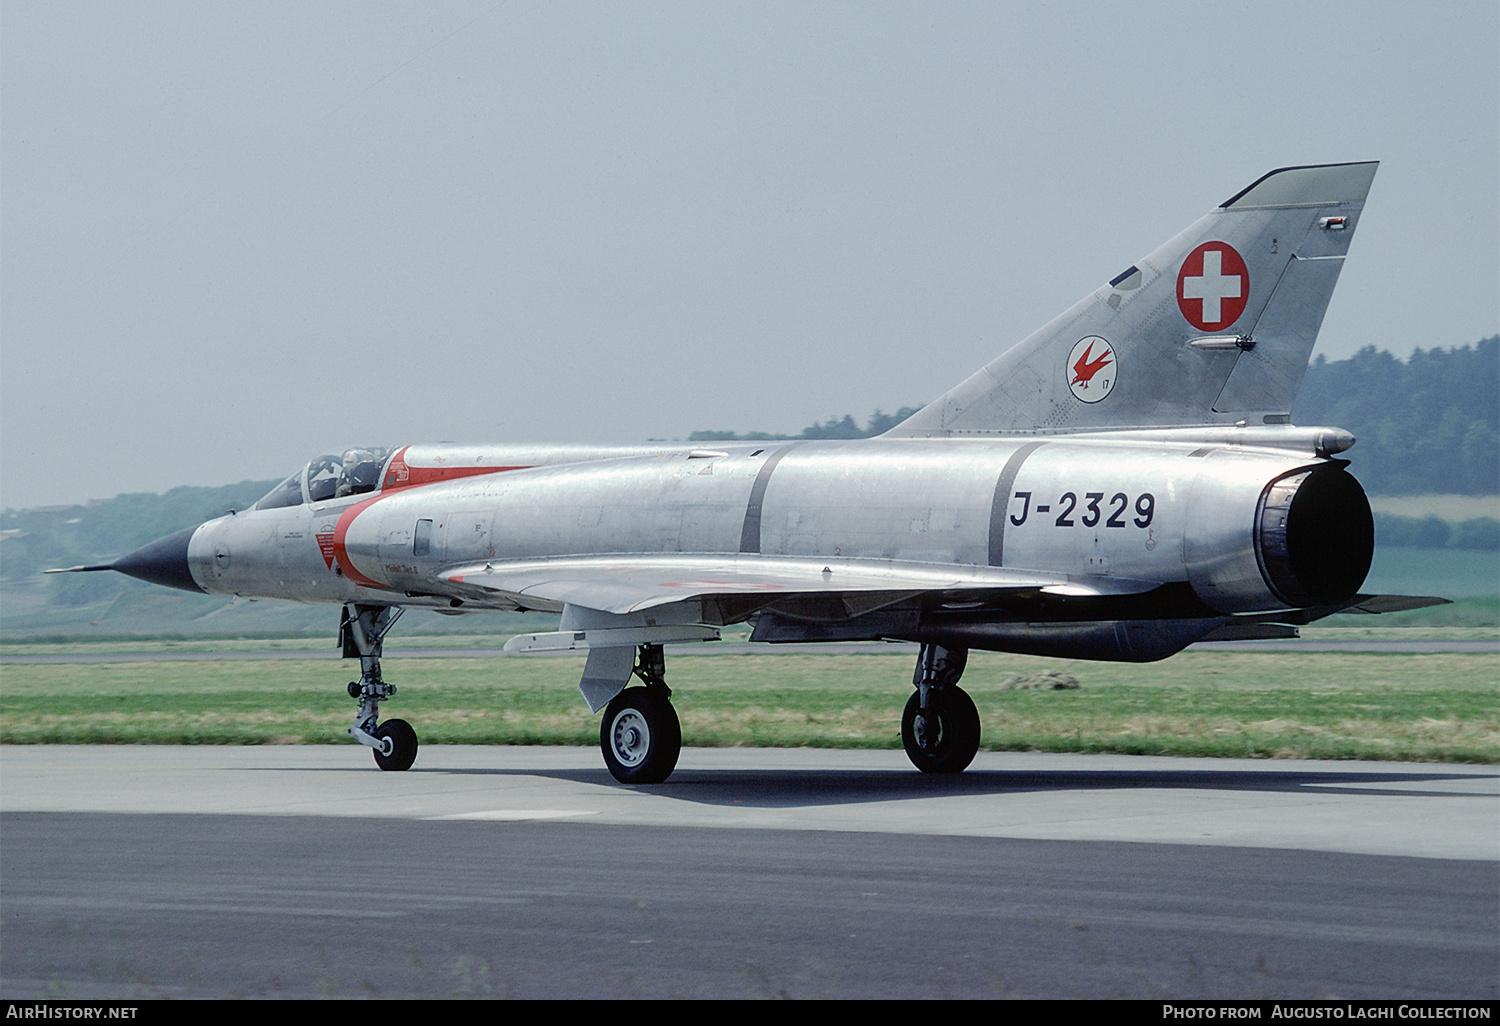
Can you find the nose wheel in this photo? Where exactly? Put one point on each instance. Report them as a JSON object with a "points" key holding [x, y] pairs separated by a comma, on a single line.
{"points": [[398, 745]]}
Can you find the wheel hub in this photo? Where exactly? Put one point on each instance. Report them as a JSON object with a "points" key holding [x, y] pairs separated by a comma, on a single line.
{"points": [[631, 737]]}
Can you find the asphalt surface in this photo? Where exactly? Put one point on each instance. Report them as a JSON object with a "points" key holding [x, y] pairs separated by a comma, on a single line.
{"points": [[141, 872]]}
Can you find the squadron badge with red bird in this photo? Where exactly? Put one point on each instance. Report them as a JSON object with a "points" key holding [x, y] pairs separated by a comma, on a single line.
{"points": [[1091, 369]]}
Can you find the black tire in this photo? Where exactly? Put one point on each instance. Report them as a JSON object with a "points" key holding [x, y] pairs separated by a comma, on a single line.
{"points": [[640, 736], [958, 733], [403, 745]]}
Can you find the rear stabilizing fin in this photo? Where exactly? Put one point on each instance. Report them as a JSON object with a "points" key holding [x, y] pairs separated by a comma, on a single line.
{"points": [[1362, 603], [1214, 327], [1393, 603]]}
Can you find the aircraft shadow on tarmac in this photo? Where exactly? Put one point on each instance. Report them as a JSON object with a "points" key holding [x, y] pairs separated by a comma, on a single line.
{"points": [[790, 788]]}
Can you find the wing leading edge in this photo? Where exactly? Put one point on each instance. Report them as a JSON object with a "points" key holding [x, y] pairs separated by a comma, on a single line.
{"points": [[622, 584]]}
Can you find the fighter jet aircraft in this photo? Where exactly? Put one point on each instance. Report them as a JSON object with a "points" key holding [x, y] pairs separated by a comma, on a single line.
{"points": [[1120, 484]]}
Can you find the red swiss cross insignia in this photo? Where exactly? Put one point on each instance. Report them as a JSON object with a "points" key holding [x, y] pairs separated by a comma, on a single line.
{"points": [[1213, 286]]}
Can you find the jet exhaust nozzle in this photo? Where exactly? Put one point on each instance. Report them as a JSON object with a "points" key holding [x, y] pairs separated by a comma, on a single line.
{"points": [[1316, 538], [1309, 544]]}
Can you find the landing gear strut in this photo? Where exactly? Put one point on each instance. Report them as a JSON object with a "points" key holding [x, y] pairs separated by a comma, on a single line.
{"points": [[940, 726], [640, 734], [362, 632]]}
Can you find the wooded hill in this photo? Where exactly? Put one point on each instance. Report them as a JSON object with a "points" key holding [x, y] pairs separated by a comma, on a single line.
{"points": [[1430, 424]]}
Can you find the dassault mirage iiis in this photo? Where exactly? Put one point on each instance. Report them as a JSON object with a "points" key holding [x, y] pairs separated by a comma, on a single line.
{"points": [[1120, 484]]}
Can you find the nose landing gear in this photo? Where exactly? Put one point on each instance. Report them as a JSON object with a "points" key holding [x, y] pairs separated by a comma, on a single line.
{"points": [[362, 632]]}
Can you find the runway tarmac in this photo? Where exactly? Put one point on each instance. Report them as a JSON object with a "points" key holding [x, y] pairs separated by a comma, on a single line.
{"points": [[142, 872]]}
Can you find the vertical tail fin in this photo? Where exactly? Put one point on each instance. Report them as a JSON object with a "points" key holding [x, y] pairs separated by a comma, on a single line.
{"points": [[1215, 326]]}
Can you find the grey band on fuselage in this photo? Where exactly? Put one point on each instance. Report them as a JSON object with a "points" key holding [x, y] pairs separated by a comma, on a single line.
{"points": [[750, 533], [1000, 507]]}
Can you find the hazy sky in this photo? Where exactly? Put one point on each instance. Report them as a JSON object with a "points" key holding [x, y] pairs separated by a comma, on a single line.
{"points": [[233, 235]]}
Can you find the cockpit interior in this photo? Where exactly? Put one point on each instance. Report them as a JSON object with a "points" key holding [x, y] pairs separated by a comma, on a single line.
{"points": [[330, 476]]}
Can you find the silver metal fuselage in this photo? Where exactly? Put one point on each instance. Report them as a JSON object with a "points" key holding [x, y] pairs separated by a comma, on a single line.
{"points": [[1151, 508]]}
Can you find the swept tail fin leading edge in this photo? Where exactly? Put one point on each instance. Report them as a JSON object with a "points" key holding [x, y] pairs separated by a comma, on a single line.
{"points": [[1214, 327]]}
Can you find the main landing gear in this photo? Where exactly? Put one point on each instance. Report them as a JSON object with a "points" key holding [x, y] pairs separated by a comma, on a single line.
{"points": [[641, 737], [940, 726], [361, 632], [640, 734]]}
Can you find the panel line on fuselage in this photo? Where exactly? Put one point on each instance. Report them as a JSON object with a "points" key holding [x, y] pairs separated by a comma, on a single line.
{"points": [[750, 533], [1000, 507]]}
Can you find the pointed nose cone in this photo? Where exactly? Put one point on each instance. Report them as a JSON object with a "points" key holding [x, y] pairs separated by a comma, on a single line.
{"points": [[164, 562]]}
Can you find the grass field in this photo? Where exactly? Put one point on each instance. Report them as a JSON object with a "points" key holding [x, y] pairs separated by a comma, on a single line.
{"points": [[1331, 706], [1453, 508], [1431, 707]]}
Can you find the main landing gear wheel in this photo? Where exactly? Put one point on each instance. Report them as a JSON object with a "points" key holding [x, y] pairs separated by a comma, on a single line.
{"points": [[640, 736], [957, 737], [398, 745]]}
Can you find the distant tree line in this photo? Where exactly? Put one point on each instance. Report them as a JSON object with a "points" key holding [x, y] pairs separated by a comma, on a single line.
{"points": [[1429, 424], [844, 427]]}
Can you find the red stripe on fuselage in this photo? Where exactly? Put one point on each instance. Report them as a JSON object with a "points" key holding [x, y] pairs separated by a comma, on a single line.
{"points": [[341, 554], [398, 477]]}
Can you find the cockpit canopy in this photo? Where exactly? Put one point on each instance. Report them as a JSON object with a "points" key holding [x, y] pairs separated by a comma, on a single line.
{"points": [[330, 476]]}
